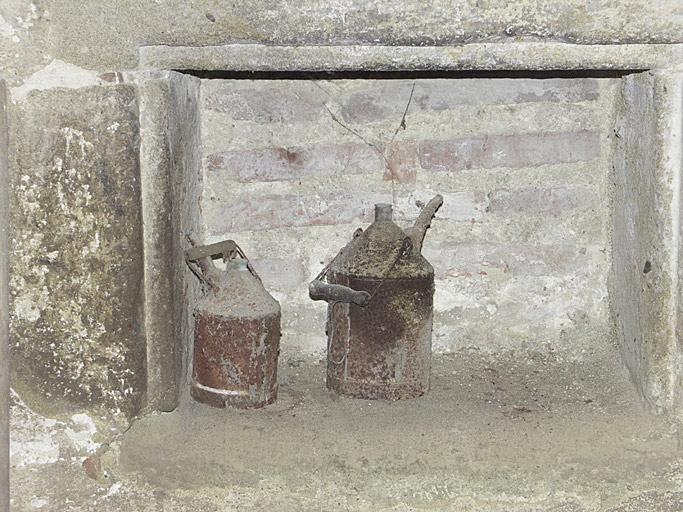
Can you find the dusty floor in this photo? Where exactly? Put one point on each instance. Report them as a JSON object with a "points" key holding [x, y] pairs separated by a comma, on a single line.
{"points": [[515, 434]]}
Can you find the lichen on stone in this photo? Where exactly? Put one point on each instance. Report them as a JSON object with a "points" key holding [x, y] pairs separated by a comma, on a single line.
{"points": [[76, 250]]}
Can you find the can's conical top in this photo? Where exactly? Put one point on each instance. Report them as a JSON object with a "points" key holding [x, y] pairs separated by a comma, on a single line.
{"points": [[240, 294], [235, 293], [383, 250]]}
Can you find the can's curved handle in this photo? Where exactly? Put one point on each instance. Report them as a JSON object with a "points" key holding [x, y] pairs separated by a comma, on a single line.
{"points": [[198, 258], [224, 249], [201, 256], [418, 231], [318, 290]]}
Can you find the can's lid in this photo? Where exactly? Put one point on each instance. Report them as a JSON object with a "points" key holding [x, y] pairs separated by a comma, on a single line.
{"points": [[240, 294]]}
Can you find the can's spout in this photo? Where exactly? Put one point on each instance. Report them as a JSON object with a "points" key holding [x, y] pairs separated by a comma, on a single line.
{"points": [[383, 212], [424, 220]]}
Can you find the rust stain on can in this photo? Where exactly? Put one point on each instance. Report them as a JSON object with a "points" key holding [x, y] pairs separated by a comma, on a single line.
{"points": [[235, 360], [236, 337], [382, 350], [379, 320]]}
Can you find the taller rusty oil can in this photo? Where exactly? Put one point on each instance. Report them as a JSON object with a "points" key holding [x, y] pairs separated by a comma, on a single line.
{"points": [[380, 293], [237, 331]]}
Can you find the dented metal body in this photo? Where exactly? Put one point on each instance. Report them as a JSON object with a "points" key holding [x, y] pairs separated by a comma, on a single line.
{"points": [[236, 338], [380, 311], [235, 360]]}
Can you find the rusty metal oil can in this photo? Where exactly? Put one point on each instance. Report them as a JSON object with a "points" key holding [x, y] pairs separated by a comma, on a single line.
{"points": [[380, 293], [237, 332]]}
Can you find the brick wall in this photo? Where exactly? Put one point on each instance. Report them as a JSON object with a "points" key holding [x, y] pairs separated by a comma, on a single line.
{"points": [[291, 168]]}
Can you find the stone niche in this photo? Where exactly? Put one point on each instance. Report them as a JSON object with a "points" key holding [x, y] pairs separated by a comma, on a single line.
{"points": [[560, 167], [560, 171]]}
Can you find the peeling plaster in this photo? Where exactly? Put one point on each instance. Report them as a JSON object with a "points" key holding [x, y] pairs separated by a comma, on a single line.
{"points": [[31, 437], [8, 31], [40, 440], [56, 74], [81, 435]]}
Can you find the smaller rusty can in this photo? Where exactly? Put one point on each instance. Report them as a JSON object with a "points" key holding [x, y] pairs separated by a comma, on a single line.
{"points": [[237, 332]]}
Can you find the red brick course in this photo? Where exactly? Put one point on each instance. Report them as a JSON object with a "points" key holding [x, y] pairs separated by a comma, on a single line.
{"points": [[511, 151], [379, 103], [284, 164], [276, 211]]}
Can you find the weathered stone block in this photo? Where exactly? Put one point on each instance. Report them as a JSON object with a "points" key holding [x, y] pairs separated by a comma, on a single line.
{"points": [[186, 186], [162, 352], [170, 175], [76, 268], [504, 56], [65, 29], [644, 279]]}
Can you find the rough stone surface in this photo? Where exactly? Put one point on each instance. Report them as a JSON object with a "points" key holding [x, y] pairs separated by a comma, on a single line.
{"points": [[512, 433], [520, 260], [508, 56], [517, 250], [186, 183], [170, 171], [34, 33], [548, 253], [646, 233], [162, 347], [4, 305], [76, 267]]}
